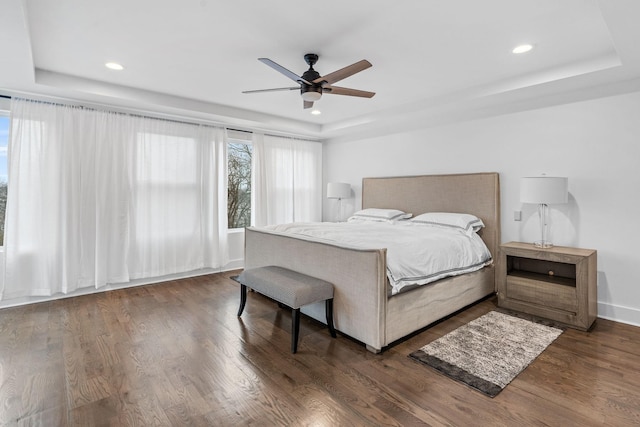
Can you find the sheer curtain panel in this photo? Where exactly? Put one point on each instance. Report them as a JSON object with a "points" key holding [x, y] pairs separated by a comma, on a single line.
{"points": [[97, 197], [178, 204], [287, 180]]}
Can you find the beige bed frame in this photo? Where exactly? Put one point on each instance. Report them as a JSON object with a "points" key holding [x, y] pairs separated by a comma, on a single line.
{"points": [[362, 308]]}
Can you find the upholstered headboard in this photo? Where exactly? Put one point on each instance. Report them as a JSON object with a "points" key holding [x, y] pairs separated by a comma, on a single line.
{"points": [[474, 193]]}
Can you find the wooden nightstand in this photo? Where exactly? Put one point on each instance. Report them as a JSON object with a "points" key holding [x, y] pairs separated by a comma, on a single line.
{"points": [[558, 283]]}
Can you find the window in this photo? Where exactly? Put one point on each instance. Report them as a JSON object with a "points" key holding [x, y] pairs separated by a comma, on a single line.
{"points": [[167, 193], [4, 139], [118, 197], [239, 184]]}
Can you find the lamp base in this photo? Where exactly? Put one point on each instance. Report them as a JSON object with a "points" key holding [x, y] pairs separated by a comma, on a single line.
{"points": [[543, 244]]}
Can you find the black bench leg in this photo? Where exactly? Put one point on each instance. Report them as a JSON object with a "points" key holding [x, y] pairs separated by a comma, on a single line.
{"points": [[243, 298], [295, 329], [329, 312]]}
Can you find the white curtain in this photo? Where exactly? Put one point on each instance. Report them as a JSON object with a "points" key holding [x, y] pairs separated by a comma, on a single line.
{"points": [[287, 180], [96, 197], [178, 203]]}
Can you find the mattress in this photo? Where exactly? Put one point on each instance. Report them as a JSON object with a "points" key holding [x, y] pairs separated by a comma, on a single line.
{"points": [[417, 254]]}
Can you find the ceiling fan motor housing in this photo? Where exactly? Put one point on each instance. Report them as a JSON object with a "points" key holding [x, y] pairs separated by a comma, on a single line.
{"points": [[311, 92]]}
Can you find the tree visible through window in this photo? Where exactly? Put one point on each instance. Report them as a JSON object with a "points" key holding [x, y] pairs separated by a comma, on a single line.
{"points": [[239, 185], [4, 137]]}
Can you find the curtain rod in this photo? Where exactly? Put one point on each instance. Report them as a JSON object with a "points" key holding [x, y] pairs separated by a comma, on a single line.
{"points": [[195, 122], [270, 134], [84, 107]]}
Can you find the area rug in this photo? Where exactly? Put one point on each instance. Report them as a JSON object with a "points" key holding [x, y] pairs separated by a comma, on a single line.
{"points": [[489, 352]]}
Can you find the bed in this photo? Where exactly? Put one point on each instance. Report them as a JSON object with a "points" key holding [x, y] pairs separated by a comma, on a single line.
{"points": [[363, 306]]}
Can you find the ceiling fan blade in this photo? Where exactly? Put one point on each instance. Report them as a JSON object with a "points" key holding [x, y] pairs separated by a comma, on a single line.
{"points": [[343, 73], [337, 90], [307, 104], [271, 90], [279, 68]]}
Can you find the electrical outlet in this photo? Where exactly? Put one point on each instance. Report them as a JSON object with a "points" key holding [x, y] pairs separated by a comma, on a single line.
{"points": [[517, 215]]}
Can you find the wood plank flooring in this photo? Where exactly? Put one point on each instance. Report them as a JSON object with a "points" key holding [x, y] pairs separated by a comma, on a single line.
{"points": [[175, 354]]}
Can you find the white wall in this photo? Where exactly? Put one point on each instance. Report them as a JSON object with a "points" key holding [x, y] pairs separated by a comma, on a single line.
{"points": [[595, 143], [236, 249]]}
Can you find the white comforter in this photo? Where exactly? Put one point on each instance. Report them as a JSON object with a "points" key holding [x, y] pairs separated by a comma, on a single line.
{"points": [[416, 254]]}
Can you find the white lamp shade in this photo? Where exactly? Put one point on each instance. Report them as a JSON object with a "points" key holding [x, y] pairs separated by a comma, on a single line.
{"points": [[544, 189], [338, 190]]}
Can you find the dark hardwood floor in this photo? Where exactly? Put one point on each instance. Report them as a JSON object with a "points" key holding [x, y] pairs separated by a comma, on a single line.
{"points": [[176, 354]]}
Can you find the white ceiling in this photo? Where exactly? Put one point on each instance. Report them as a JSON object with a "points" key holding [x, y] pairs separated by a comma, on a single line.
{"points": [[433, 60]]}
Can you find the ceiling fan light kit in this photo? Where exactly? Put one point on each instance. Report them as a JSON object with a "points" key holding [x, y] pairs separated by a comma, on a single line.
{"points": [[310, 93], [313, 85]]}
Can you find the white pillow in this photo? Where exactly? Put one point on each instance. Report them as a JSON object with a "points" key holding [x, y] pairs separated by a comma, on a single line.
{"points": [[467, 222], [379, 215]]}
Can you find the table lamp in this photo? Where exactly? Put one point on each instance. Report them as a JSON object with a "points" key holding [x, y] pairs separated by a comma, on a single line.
{"points": [[544, 191], [338, 190]]}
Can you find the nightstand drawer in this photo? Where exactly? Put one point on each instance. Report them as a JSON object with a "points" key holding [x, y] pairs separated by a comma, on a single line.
{"points": [[547, 294]]}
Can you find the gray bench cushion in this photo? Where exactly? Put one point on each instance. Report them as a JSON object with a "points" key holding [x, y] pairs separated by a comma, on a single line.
{"points": [[286, 286]]}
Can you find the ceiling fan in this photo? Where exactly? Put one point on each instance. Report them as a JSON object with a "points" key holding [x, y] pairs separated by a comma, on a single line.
{"points": [[313, 85]]}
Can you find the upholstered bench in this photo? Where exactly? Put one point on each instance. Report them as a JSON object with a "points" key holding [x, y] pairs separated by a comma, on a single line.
{"points": [[289, 288]]}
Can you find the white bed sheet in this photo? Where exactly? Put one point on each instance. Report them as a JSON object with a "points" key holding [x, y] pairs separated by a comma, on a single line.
{"points": [[417, 254]]}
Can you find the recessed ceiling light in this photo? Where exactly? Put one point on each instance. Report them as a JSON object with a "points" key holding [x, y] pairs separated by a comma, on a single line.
{"points": [[114, 66], [316, 112], [522, 48]]}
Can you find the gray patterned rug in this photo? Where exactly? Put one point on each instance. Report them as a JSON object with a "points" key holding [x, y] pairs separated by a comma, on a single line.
{"points": [[489, 352]]}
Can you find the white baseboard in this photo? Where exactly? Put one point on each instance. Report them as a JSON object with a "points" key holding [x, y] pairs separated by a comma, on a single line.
{"points": [[618, 313]]}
